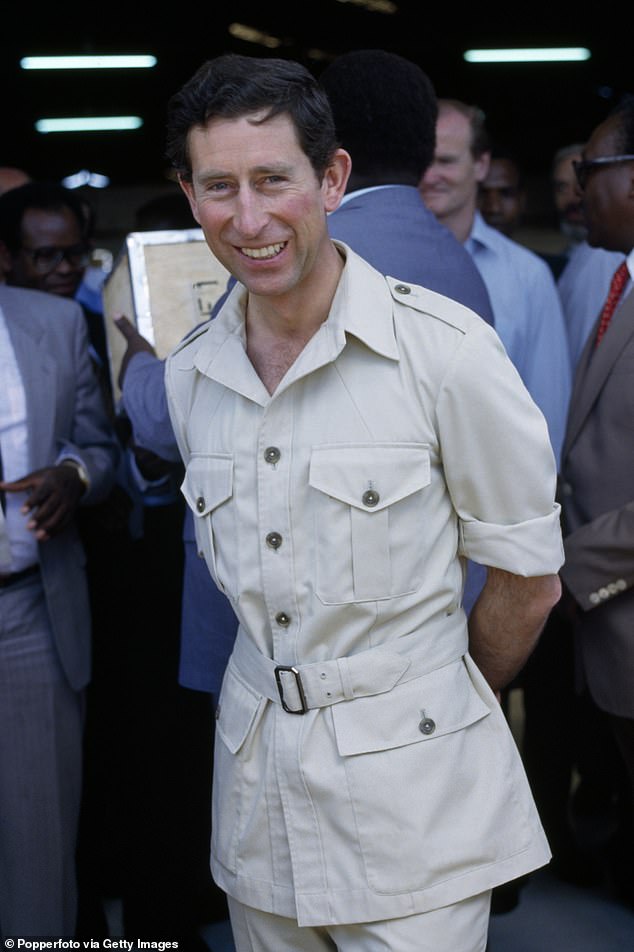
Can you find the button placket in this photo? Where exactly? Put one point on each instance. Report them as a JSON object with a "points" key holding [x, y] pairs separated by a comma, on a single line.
{"points": [[273, 511]]}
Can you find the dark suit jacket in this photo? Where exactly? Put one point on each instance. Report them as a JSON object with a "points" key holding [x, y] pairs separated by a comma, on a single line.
{"points": [[394, 230], [597, 495], [65, 416]]}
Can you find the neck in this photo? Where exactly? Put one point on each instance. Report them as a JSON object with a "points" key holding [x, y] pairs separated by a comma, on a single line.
{"points": [[278, 328], [299, 312], [460, 222]]}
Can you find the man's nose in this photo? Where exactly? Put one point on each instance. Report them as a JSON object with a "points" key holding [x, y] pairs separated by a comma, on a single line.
{"points": [[250, 214]]}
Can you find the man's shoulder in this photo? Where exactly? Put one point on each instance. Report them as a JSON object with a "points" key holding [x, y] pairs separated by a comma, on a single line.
{"points": [[183, 353], [38, 305], [48, 318], [421, 302]]}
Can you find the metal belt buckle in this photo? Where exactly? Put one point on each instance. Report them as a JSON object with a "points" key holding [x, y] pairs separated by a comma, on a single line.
{"points": [[300, 688]]}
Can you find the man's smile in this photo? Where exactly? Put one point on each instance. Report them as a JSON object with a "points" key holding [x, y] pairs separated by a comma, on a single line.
{"points": [[267, 251]]}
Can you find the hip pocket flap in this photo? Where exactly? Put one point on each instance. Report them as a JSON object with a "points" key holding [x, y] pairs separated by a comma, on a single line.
{"points": [[418, 711], [239, 710]]}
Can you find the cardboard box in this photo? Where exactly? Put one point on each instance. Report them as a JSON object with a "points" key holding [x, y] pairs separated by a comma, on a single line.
{"points": [[166, 283]]}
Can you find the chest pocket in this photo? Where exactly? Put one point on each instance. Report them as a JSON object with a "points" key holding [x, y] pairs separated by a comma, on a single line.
{"points": [[207, 485], [369, 516]]}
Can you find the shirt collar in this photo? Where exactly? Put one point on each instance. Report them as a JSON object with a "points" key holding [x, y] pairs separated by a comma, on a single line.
{"points": [[362, 306], [481, 234], [363, 191]]}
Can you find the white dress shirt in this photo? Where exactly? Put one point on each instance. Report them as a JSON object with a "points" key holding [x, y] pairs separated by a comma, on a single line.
{"points": [[21, 551]]}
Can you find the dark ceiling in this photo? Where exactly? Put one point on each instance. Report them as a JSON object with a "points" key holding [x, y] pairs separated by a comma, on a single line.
{"points": [[531, 109]]}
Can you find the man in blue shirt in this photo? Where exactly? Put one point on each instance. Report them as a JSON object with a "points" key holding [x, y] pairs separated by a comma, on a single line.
{"points": [[526, 308], [529, 320]]}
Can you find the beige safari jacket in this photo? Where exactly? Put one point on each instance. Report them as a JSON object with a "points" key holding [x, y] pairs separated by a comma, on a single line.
{"points": [[364, 769]]}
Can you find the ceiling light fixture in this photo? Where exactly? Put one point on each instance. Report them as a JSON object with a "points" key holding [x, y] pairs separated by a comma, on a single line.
{"points": [[88, 62], [89, 124], [252, 35], [374, 6], [563, 54], [84, 177]]}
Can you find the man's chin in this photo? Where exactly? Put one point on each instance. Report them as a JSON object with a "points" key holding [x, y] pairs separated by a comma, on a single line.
{"points": [[574, 231]]}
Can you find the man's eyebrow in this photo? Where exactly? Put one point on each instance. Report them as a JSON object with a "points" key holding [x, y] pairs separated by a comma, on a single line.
{"points": [[210, 175]]}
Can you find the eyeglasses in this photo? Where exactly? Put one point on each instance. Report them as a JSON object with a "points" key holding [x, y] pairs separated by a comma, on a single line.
{"points": [[583, 167], [47, 258]]}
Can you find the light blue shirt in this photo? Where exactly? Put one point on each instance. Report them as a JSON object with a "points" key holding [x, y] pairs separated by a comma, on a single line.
{"points": [[528, 319]]}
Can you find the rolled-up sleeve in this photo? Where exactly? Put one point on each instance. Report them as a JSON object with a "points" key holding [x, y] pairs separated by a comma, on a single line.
{"points": [[498, 461]]}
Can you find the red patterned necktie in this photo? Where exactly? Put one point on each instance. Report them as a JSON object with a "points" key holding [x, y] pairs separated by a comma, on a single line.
{"points": [[617, 284]]}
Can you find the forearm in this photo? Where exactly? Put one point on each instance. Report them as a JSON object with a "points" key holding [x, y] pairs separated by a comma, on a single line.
{"points": [[145, 403], [506, 622]]}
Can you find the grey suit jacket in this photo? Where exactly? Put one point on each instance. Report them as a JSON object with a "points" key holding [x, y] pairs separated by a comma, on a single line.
{"points": [[597, 495], [65, 417]]}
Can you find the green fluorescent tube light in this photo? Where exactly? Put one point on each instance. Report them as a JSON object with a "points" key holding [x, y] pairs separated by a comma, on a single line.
{"points": [[88, 62], [89, 124], [563, 54]]}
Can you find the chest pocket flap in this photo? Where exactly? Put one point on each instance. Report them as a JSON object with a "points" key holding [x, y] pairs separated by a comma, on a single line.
{"points": [[208, 483], [370, 476], [368, 504]]}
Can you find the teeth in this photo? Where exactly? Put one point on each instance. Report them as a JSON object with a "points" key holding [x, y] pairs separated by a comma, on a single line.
{"points": [[269, 251]]}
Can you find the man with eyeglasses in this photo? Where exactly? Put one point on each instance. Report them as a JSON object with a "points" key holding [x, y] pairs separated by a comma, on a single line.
{"points": [[57, 455], [44, 246], [598, 462], [585, 278]]}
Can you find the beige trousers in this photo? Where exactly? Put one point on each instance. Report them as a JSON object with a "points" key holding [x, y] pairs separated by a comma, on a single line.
{"points": [[462, 927]]}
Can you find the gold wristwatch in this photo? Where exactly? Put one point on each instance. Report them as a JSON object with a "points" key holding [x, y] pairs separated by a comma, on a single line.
{"points": [[80, 469]]}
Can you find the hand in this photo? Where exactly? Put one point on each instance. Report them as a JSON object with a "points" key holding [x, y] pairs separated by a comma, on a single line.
{"points": [[151, 466], [137, 344], [53, 497]]}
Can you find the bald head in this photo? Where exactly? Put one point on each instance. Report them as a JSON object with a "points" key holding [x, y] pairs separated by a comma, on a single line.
{"points": [[12, 178]]}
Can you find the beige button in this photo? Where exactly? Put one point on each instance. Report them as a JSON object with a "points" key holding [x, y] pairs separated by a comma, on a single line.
{"points": [[370, 498], [603, 593], [621, 584], [595, 598]]}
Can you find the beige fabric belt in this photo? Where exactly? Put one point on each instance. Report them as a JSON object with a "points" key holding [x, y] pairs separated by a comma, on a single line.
{"points": [[303, 687]]}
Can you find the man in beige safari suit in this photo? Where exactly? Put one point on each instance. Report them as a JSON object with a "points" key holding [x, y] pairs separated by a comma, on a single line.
{"points": [[342, 459]]}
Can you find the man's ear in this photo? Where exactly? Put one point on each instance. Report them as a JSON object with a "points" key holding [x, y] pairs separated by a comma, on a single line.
{"points": [[482, 165], [188, 189], [335, 179]]}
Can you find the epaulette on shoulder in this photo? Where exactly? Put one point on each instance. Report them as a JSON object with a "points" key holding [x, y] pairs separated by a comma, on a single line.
{"points": [[434, 304], [191, 337]]}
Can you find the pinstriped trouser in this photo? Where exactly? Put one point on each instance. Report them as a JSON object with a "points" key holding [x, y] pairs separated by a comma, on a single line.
{"points": [[40, 771]]}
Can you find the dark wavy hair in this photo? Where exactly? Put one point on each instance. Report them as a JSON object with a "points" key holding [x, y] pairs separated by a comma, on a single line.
{"points": [[385, 115], [231, 86], [44, 196]]}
